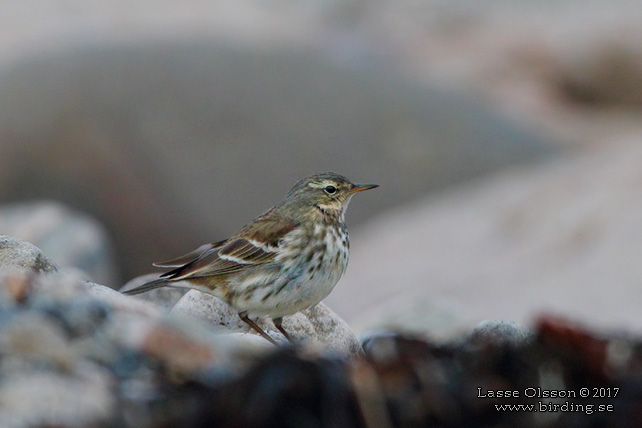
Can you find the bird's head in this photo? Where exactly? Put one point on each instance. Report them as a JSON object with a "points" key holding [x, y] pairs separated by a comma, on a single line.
{"points": [[327, 192]]}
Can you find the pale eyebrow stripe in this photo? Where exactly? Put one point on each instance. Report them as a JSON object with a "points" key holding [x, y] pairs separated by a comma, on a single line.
{"points": [[322, 185]]}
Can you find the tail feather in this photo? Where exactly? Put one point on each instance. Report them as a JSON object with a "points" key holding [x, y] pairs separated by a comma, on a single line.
{"points": [[157, 283]]}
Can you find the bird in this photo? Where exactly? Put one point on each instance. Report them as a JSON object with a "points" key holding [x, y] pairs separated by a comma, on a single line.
{"points": [[285, 260]]}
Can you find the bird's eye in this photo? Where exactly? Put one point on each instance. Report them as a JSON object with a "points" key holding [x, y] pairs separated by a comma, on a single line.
{"points": [[330, 190]]}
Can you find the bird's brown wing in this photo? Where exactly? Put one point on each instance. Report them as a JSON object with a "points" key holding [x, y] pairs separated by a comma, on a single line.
{"points": [[256, 244]]}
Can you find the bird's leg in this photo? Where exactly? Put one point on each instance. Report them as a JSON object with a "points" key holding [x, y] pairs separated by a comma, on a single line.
{"points": [[277, 323], [244, 317]]}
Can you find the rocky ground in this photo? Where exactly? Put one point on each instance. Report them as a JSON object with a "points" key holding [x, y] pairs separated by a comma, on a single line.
{"points": [[77, 354]]}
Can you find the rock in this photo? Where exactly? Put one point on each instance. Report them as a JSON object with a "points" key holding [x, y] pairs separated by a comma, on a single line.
{"points": [[72, 239], [33, 339], [501, 332], [326, 328], [191, 349], [45, 376], [123, 304], [52, 399], [318, 324], [79, 354], [72, 350], [19, 255], [292, 388], [79, 301], [197, 305]]}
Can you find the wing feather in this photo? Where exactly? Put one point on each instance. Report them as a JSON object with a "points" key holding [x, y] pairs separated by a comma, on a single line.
{"points": [[256, 244]]}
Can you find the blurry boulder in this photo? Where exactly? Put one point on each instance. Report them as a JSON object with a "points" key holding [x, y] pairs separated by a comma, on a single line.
{"points": [[56, 399], [315, 326], [419, 383], [499, 332], [172, 144], [79, 354], [70, 238], [603, 75], [17, 255]]}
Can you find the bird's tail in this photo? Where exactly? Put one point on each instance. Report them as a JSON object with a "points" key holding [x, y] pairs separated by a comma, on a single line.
{"points": [[157, 283]]}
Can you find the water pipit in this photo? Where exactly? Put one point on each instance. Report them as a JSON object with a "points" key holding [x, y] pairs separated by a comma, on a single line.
{"points": [[286, 260]]}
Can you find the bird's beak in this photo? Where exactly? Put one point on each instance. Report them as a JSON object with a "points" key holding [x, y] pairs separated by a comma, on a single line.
{"points": [[361, 187]]}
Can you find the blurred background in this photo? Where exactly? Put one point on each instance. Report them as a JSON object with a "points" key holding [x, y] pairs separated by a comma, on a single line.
{"points": [[505, 135]]}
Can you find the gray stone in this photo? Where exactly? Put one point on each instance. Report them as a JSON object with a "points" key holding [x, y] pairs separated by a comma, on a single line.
{"points": [[83, 307], [317, 326], [326, 328], [33, 338], [202, 306], [72, 352], [19, 255], [72, 239], [501, 333], [46, 377], [122, 304], [43, 398], [187, 347]]}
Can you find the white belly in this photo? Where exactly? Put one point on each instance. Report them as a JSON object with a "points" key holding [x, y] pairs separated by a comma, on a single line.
{"points": [[303, 281]]}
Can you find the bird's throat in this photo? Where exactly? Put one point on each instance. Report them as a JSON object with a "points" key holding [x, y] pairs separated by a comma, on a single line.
{"points": [[330, 213]]}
